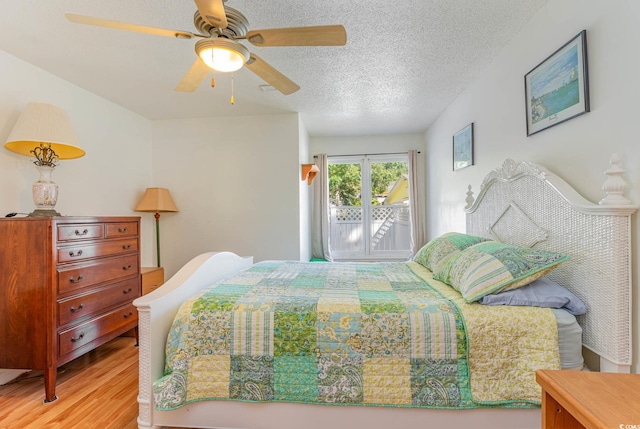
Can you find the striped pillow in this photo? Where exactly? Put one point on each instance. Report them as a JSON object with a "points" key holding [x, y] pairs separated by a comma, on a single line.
{"points": [[492, 267], [437, 251]]}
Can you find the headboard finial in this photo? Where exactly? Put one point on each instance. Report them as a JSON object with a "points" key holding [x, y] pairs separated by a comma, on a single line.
{"points": [[469, 200], [615, 185]]}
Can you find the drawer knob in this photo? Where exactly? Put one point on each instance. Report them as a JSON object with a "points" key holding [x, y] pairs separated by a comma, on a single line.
{"points": [[126, 267], [76, 310], [127, 315], [126, 246], [72, 280], [78, 338], [73, 254], [122, 229], [84, 232], [126, 291]]}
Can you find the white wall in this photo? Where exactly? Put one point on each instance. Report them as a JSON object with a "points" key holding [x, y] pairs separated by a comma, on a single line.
{"points": [[235, 180], [305, 195], [578, 150], [116, 141], [359, 145], [103, 182], [116, 167]]}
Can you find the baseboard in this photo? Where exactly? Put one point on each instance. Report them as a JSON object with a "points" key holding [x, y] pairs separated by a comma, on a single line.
{"points": [[7, 375]]}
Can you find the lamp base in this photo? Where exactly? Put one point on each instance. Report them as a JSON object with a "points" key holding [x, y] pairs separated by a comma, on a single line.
{"points": [[45, 193], [44, 212]]}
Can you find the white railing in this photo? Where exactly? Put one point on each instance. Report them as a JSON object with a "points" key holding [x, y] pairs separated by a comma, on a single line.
{"points": [[390, 229]]}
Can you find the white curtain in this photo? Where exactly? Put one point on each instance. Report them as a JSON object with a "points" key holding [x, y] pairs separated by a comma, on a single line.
{"points": [[417, 204], [320, 219]]}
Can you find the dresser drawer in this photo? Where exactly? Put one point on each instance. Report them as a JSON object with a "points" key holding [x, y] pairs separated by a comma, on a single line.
{"points": [[73, 232], [121, 229], [94, 272], [88, 251], [96, 301], [76, 337]]}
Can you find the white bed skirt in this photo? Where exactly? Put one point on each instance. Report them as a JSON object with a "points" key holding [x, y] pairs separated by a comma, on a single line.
{"points": [[236, 415]]}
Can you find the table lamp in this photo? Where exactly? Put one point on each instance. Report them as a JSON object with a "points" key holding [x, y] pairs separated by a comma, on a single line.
{"points": [[44, 131], [156, 200]]}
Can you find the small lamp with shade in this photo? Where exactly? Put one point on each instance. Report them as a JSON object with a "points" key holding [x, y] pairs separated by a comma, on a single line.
{"points": [[156, 200], [44, 131]]}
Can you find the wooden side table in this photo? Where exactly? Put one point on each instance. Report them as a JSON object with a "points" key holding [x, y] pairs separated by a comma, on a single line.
{"points": [[152, 278], [583, 399]]}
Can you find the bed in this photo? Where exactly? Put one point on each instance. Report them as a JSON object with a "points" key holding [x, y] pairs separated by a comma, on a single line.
{"points": [[519, 203]]}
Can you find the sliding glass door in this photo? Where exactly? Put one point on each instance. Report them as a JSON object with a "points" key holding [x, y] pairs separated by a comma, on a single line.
{"points": [[369, 199]]}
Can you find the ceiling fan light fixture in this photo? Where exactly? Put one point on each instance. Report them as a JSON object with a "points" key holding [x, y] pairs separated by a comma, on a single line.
{"points": [[221, 54]]}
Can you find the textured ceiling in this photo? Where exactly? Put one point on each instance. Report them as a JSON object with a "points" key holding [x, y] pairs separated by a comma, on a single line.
{"points": [[403, 63]]}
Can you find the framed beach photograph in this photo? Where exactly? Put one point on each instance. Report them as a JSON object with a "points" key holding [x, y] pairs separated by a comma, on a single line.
{"points": [[557, 89], [463, 148]]}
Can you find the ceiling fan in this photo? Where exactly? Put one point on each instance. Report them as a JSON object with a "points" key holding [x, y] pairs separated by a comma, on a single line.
{"points": [[220, 27]]}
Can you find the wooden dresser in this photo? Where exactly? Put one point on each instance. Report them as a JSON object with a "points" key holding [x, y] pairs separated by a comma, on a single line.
{"points": [[66, 287]]}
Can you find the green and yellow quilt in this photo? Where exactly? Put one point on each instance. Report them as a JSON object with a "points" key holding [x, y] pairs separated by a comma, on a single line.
{"points": [[382, 334]]}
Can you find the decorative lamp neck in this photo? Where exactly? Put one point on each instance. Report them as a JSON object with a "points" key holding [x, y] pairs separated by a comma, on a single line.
{"points": [[45, 156]]}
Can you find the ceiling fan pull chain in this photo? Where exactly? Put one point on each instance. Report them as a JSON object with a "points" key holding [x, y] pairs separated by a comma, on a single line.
{"points": [[233, 101]]}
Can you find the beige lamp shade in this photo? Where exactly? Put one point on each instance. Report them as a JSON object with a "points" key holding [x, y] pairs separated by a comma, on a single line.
{"points": [[42, 123], [156, 200]]}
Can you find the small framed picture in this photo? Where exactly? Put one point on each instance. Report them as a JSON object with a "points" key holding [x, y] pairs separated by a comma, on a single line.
{"points": [[463, 148], [557, 89]]}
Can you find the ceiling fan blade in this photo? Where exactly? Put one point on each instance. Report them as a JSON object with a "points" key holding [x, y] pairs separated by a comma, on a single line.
{"points": [[270, 75], [107, 23], [194, 77], [322, 35], [212, 11]]}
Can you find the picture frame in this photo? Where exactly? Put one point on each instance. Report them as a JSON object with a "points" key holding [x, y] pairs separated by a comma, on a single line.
{"points": [[463, 148], [557, 89]]}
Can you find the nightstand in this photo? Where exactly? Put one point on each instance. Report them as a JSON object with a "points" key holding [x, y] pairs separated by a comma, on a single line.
{"points": [[583, 399], [152, 278]]}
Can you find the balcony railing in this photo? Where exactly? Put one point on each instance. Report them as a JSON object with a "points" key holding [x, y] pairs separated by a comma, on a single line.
{"points": [[390, 229]]}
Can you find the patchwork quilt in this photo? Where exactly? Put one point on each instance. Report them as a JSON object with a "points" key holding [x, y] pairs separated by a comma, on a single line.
{"points": [[382, 334]]}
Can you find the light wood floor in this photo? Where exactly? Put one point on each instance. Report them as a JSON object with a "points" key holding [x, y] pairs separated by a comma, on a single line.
{"points": [[97, 390]]}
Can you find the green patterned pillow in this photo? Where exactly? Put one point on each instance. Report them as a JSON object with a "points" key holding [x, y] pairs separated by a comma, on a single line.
{"points": [[493, 267], [437, 251]]}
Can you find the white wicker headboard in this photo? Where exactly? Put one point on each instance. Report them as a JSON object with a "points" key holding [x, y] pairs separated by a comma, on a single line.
{"points": [[522, 203]]}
